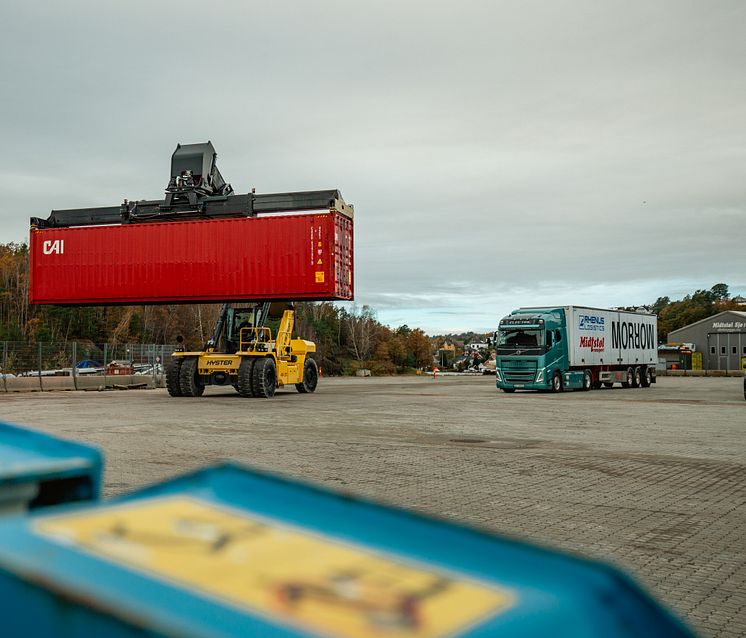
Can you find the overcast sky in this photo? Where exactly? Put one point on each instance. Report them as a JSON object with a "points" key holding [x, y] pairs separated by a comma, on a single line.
{"points": [[498, 153]]}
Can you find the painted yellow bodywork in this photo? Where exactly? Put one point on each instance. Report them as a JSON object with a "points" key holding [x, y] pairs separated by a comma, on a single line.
{"points": [[288, 354]]}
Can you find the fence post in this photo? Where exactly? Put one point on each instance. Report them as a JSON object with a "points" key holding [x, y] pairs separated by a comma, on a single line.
{"points": [[41, 362], [74, 372], [5, 366], [106, 358]]}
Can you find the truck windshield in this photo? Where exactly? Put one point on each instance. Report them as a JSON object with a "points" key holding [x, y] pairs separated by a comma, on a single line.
{"points": [[520, 341]]}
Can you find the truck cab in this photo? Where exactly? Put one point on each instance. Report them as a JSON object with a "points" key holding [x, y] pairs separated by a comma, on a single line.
{"points": [[530, 349]]}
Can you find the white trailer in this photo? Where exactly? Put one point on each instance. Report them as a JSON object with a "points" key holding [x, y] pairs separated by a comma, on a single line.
{"points": [[611, 337]]}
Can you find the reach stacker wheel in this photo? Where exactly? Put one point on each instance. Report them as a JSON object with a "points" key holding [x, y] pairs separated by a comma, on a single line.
{"points": [[245, 385], [265, 378], [173, 372], [310, 377], [189, 379]]}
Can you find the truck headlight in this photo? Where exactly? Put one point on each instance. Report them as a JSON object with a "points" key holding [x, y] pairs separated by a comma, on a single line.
{"points": [[540, 376]]}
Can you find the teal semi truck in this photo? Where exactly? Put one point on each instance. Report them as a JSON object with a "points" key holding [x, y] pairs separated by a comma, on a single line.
{"points": [[575, 348]]}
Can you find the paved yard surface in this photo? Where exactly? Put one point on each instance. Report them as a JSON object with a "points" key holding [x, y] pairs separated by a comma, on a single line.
{"points": [[651, 479]]}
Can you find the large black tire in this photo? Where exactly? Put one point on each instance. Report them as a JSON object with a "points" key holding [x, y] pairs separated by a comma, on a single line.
{"points": [[557, 382], [636, 378], [647, 378], [630, 378], [245, 385], [310, 377], [587, 380], [189, 381], [265, 378], [173, 371]]}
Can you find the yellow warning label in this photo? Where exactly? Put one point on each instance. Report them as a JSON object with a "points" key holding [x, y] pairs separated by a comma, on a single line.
{"points": [[319, 245], [319, 276], [319, 262], [295, 576]]}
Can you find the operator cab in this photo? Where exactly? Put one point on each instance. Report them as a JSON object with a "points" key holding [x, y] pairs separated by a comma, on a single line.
{"points": [[250, 319]]}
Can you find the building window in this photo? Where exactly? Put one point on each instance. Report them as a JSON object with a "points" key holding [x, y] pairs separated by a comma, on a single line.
{"points": [[712, 349], [735, 350], [722, 350], [744, 349]]}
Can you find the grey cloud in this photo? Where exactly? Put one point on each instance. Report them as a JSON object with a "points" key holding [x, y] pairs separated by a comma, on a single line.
{"points": [[532, 146]]}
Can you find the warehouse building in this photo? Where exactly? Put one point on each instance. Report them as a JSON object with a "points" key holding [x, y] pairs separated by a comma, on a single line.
{"points": [[721, 339]]}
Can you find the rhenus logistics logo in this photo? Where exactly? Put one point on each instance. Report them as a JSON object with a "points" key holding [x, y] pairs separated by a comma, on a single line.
{"points": [[591, 322]]}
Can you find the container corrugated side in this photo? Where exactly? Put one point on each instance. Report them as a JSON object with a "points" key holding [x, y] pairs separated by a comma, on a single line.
{"points": [[294, 257]]}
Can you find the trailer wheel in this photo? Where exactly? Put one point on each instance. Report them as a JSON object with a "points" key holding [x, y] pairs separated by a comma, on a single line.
{"points": [[189, 381], [647, 378], [608, 384], [265, 378], [310, 377], [587, 380], [557, 382], [172, 377], [245, 385], [637, 378], [630, 378]]}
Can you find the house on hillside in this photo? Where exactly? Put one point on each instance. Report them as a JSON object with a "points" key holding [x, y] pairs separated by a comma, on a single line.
{"points": [[476, 346], [445, 355]]}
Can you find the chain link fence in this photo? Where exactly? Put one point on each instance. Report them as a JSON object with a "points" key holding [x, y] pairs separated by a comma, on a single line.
{"points": [[81, 365]]}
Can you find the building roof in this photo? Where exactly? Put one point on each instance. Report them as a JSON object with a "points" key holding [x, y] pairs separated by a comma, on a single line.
{"points": [[740, 313]]}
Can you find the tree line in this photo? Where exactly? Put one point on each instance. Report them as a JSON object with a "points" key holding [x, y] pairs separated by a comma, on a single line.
{"points": [[698, 305], [347, 339]]}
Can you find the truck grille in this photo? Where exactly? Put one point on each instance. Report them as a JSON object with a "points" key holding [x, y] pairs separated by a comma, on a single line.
{"points": [[519, 371]]}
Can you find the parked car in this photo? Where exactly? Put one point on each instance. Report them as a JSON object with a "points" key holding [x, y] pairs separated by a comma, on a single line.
{"points": [[146, 369], [88, 363]]}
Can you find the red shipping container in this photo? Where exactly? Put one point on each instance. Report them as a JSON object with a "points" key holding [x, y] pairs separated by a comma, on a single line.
{"points": [[288, 257]]}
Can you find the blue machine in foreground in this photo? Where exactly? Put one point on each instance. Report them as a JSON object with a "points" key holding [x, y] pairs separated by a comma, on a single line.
{"points": [[228, 551], [37, 470]]}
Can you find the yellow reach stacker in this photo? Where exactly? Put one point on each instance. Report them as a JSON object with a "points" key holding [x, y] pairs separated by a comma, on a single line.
{"points": [[245, 353]]}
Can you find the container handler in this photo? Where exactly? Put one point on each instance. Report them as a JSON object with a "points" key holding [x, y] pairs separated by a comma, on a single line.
{"points": [[245, 353]]}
